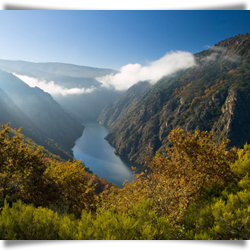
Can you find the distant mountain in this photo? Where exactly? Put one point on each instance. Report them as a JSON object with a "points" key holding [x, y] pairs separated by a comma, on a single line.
{"points": [[213, 95], [41, 118], [9, 112], [116, 111], [48, 70], [85, 106]]}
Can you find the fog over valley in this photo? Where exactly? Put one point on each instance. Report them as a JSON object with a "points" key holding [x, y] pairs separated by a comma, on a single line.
{"points": [[125, 125], [84, 91]]}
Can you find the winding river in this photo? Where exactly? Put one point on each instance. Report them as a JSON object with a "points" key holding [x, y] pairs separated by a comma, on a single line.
{"points": [[98, 155]]}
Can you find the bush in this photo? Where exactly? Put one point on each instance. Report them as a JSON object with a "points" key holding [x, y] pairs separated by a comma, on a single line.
{"points": [[142, 224], [227, 216], [199, 191], [27, 175], [25, 222], [196, 165]]}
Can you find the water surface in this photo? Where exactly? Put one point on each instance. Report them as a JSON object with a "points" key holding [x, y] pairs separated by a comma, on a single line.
{"points": [[98, 155]]}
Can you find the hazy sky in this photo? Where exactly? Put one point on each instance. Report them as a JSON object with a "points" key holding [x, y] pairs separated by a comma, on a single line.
{"points": [[112, 39]]}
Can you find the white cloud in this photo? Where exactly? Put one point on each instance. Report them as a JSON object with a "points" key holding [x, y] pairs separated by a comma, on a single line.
{"points": [[221, 52], [128, 75], [51, 87], [210, 58], [133, 73]]}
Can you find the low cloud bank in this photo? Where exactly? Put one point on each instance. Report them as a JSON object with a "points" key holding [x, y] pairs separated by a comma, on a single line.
{"points": [[222, 52], [51, 87], [133, 73], [128, 75]]}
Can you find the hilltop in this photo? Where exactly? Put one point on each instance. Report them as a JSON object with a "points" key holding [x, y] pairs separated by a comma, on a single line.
{"points": [[211, 96], [88, 97]]}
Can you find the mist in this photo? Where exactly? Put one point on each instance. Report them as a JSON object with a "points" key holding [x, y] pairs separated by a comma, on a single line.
{"points": [[154, 71], [127, 76], [52, 88], [222, 52]]}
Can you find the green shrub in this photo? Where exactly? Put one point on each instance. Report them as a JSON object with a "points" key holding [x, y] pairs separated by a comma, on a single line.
{"points": [[25, 222], [227, 216], [141, 224]]}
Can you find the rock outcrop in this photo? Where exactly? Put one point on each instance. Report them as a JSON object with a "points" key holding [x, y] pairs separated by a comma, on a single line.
{"points": [[213, 95]]}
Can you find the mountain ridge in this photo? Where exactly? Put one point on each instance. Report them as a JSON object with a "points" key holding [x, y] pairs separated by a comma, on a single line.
{"points": [[204, 97], [40, 117], [79, 70], [84, 106]]}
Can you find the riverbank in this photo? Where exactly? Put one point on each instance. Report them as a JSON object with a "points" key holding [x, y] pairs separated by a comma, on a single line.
{"points": [[98, 155]]}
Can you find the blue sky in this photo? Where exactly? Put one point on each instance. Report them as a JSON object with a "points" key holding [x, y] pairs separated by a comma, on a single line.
{"points": [[111, 39]]}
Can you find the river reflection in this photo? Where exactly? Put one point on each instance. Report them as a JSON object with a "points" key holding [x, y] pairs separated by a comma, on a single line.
{"points": [[98, 155]]}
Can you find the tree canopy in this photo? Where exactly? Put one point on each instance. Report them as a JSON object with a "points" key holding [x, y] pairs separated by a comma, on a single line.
{"points": [[200, 190]]}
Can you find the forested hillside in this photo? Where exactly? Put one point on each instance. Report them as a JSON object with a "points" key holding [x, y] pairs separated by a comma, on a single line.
{"points": [[211, 96], [41, 118], [194, 185], [88, 97], [200, 191]]}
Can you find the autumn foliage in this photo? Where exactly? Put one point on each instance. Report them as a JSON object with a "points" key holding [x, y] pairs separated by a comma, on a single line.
{"points": [[195, 164], [199, 190], [73, 190], [21, 167], [27, 175]]}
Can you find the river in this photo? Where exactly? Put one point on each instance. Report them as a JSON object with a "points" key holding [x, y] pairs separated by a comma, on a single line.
{"points": [[98, 155]]}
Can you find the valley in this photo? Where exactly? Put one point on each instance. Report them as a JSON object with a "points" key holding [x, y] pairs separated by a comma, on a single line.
{"points": [[97, 155], [210, 96], [51, 120], [73, 87], [151, 141], [191, 181]]}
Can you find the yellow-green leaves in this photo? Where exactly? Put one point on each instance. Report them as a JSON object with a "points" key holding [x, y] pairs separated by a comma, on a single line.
{"points": [[195, 164], [25, 222], [72, 187]]}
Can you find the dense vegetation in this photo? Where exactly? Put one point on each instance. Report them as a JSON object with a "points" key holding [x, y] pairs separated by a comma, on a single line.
{"points": [[40, 116], [199, 191], [211, 96]]}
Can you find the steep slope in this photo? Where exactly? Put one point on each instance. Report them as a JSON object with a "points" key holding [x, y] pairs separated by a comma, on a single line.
{"points": [[86, 107], [116, 111], [9, 112], [83, 105], [39, 113], [213, 95]]}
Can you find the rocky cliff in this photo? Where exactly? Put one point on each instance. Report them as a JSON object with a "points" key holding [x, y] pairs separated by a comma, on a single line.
{"points": [[213, 95]]}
